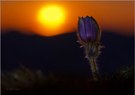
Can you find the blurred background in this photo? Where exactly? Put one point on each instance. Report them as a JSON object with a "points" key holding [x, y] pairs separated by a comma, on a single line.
{"points": [[42, 35]]}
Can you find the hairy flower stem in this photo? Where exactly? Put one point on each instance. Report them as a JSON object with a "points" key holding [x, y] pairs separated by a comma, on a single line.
{"points": [[94, 68], [92, 50]]}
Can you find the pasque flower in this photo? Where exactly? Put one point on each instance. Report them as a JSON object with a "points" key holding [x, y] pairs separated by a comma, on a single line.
{"points": [[89, 37], [88, 29]]}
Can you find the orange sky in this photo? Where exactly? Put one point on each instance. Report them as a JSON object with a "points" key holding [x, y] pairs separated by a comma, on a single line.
{"points": [[114, 16]]}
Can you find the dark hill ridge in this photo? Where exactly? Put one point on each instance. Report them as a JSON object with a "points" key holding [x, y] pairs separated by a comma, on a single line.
{"points": [[61, 54]]}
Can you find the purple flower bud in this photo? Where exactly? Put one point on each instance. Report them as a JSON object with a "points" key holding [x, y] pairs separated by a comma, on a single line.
{"points": [[88, 29]]}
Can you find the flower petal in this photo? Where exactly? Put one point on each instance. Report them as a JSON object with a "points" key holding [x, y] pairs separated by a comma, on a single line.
{"points": [[91, 28], [81, 29], [97, 29]]}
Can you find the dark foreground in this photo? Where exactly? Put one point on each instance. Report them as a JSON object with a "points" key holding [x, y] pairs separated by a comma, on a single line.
{"points": [[24, 81], [87, 87]]}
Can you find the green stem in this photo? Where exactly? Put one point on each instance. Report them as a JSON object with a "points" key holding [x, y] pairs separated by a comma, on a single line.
{"points": [[94, 68], [92, 51]]}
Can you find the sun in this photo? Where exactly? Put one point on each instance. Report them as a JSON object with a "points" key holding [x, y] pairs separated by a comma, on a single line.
{"points": [[51, 17]]}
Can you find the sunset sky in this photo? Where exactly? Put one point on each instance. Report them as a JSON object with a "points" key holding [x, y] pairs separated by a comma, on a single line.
{"points": [[23, 16]]}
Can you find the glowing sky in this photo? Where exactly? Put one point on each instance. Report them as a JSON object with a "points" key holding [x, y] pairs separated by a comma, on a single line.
{"points": [[115, 16]]}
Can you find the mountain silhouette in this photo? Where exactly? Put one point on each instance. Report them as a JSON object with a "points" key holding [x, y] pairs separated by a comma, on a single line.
{"points": [[62, 55]]}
